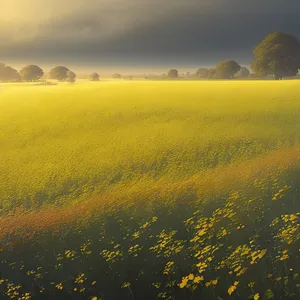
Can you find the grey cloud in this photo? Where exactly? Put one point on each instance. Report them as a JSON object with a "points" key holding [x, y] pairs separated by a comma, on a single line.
{"points": [[141, 30]]}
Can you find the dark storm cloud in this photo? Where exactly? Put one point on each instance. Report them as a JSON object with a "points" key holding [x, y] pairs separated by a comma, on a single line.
{"points": [[148, 30]]}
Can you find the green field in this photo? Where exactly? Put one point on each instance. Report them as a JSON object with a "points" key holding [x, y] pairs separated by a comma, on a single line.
{"points": [[150, 189]]}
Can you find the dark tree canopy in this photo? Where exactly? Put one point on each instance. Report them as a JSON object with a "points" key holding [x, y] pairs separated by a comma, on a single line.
{"points": [[31, 73], [278, 55], [243, 73], [202, 73], [71, 76], [226, 69], [9, 74], [59, 73], [173, 73], [94, 76]]}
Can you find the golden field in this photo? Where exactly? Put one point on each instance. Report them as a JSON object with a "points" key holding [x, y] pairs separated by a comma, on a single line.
{"points": [[173, 189], [69, 142]]}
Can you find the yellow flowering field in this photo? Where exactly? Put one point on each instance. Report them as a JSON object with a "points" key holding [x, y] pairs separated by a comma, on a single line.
{"points": [[150, 190]]}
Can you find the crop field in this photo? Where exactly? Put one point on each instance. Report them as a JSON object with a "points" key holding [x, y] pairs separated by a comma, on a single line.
{"points": [[141, 190]]}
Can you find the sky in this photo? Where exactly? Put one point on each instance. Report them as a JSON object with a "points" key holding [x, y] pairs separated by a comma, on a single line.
{"points": [[139, 35]]}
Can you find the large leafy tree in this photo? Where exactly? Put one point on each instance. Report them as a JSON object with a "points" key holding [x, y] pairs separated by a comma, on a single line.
{"points": [[31, 73], [278, 55], [226, 69], [59, 73]]}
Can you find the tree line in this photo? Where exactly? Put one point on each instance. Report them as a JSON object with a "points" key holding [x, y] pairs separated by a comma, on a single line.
{"points": [[277, 55], [33, 73], [226, 69]]}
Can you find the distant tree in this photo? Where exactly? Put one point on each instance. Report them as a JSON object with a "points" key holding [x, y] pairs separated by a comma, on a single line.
{"points": [[243, 73], [278, 55], [9, 74], [59, 73], [226, 69], [173, 73], [116, 75], [202, 73], [31, 73], [188, 74], [71, 77], [212, 73], [94, 77]]}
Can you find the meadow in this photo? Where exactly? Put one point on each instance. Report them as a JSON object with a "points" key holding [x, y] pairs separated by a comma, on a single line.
{"points": [[150, 190]]}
